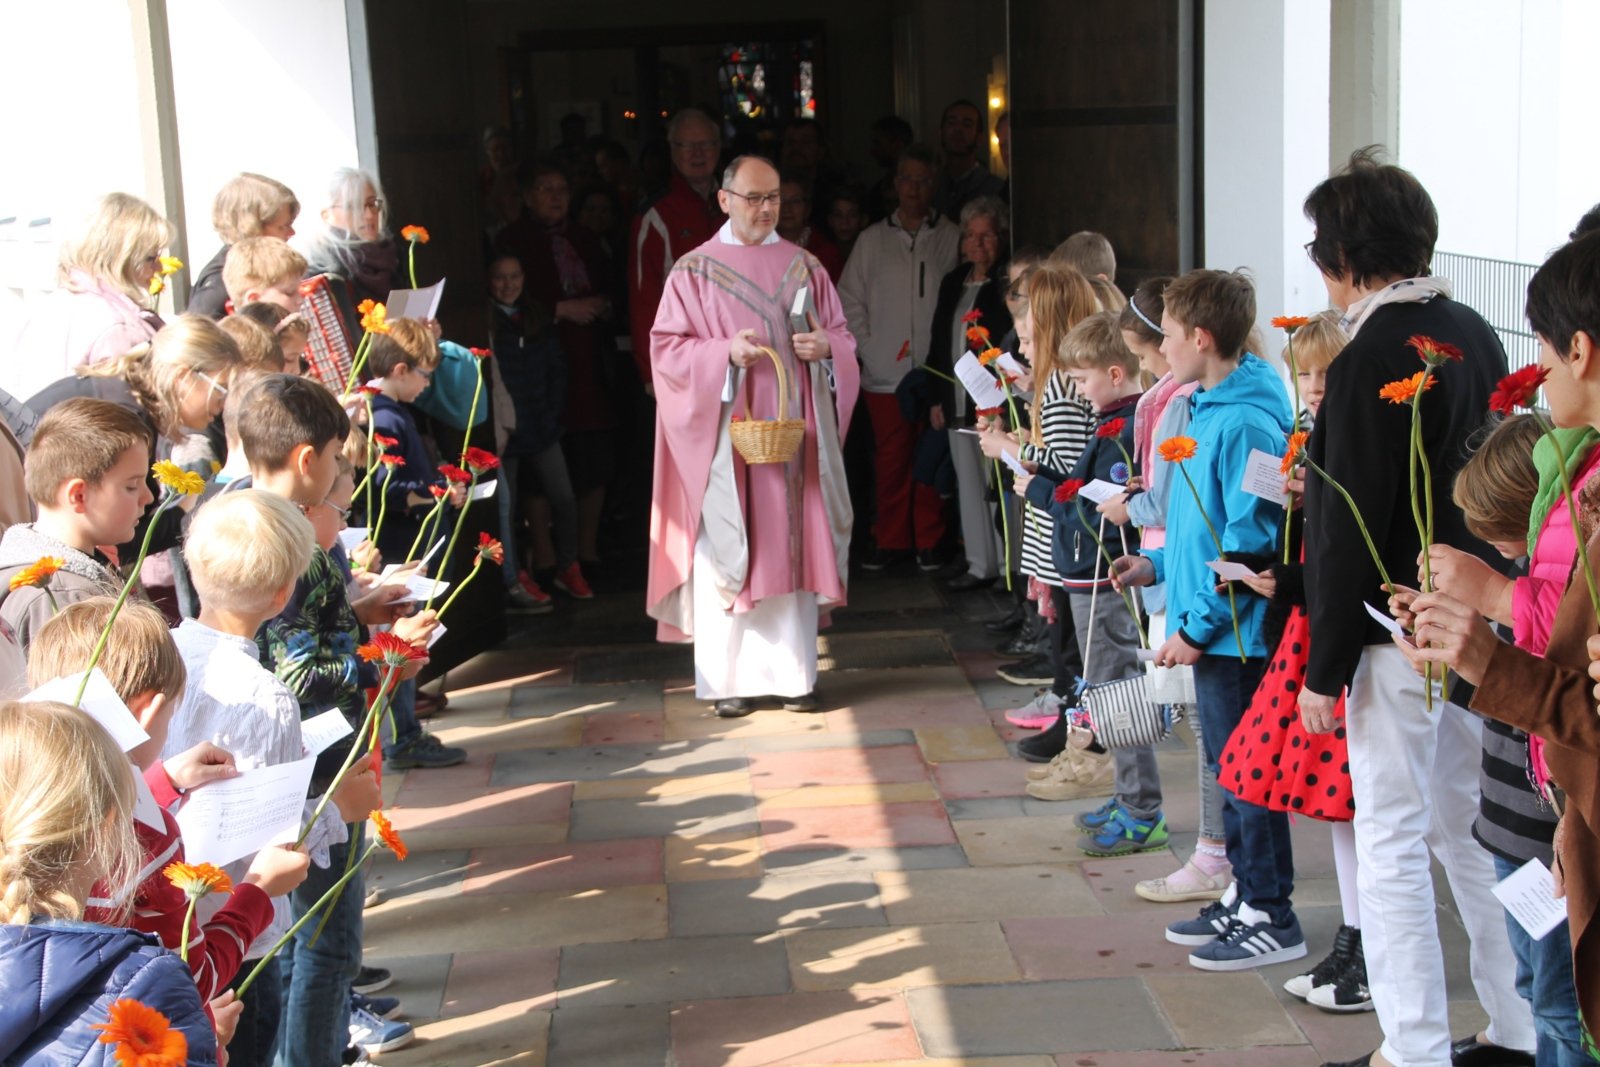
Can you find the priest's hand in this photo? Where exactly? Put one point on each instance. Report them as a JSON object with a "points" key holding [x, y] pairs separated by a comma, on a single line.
{"points": [[812, 347], [743, 351]]}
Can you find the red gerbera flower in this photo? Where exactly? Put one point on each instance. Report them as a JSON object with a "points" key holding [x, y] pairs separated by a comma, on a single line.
{"points": [[453, 474], [987, 412], [972, 316], [437, 491], [905, 350], [389, 459], [481, 353], [390, 650], [1067, 491], [490, 549], [478, 460], [1433, 352], [384, 442], [1113, 428], [1517, 390]]}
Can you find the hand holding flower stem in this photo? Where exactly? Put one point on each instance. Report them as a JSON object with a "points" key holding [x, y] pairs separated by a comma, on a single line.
{"points": [[1176, 450]]}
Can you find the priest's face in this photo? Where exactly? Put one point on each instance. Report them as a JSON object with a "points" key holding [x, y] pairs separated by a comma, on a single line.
{"points": [[751, 201]]}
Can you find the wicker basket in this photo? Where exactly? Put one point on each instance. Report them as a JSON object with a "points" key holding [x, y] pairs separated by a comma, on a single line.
{"points": [[769, 440]]}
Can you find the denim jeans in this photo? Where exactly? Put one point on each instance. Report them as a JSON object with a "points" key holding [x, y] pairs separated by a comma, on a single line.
{"points": [[1257, 839], [405, 728], [316, 977], [255, 1040], [1110, 643], [1544, 978]]}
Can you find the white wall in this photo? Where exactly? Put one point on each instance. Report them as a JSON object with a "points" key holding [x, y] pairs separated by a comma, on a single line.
{"points": [[1501, 128], [274, 95], [1265, 103]]}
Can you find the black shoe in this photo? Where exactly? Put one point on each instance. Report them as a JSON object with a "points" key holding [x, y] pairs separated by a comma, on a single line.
{"points": [[1470, 1052], [1359, 1061], [1007, 624], [1327, 972], [882, 559], [734, 707], [371, 980], [1046, 745], [1036, 670], [1348, 993], [1018, 647], [932, 559], [966, 583], [802, 703]]}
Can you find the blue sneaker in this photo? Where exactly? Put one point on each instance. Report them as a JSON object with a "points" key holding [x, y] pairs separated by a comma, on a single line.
{"points": [[1251, 940], [1123, 835], [382, 1007], [1212, 922], [374, 1035], [1090, 821]]}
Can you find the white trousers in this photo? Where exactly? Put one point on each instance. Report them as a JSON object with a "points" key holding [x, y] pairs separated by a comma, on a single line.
{"points": [[977, 516], [770, 650], [1415, 774]]}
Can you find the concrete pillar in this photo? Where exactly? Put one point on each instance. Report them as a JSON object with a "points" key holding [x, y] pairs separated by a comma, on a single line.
{"points": [[158, 123], [1364, 78]]}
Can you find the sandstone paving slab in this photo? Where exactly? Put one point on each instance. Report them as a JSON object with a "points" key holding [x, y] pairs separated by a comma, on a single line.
{"points": [[1281, 1056], [495, 1038], [1251, 1016], [672, 969], [722, 854], [834, 796], [857, 826], [964, 1061], [824, 739], [913, 897], [504, 734], [472, 773], [459, 807], [622, 728], [948, 744], [569, 865], [837, 766], [422, 927], [598, 762], [795, 1029], [901, 956], [771, 904], [540, 701], [421, 874], [419, 982], [1019, 839], [1099, 946], [768, 722], [455, 837], [839, 860], [974, 779], [717, 784], [608, 1035], [512, 978], [910, 714], [1113, 880], [1051, 1017], [684, 815]]}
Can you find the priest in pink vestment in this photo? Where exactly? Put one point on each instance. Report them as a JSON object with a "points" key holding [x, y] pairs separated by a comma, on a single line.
{"points": [[746, 558]]}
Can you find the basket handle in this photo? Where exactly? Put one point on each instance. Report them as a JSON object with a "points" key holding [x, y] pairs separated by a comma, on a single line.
{"points": [[783, 386]]}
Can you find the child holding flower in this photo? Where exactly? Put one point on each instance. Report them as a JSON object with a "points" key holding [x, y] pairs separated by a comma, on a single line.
{"points": [[1240, 405]]}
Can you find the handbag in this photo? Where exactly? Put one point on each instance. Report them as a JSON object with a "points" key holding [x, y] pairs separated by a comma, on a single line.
{"points": [[1124, 713]]}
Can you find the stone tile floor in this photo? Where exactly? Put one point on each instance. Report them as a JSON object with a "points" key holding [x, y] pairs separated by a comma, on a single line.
{"points": [[617, 878]]}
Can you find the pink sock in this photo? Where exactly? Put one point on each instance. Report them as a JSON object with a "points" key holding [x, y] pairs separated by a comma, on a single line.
{"points": [[1208, 863]]}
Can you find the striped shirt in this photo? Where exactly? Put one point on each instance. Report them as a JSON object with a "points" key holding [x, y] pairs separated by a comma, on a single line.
{"points": [[1066, 425]]}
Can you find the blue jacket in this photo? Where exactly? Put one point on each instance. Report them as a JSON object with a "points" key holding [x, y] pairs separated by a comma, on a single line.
{"points": [[1073, 551], [59, 979], [1248, 409], [401, 522]]}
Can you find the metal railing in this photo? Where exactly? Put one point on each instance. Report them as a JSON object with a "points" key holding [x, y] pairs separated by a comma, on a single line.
{"points": [[1497, 290]]}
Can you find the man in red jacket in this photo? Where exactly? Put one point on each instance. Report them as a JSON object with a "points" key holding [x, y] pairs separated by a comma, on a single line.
{"points": [[685, 217]]}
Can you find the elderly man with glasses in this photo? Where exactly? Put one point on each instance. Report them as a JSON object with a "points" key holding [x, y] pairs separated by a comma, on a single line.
{"points": [[685, 217], [744, 557]]}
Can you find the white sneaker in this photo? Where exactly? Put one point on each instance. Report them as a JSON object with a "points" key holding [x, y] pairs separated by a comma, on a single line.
{"points": [[375, 1035]]}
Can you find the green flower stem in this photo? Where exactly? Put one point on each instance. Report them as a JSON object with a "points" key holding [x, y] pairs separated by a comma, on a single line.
{"points": [[358, 361], [122, 597], [1233, 604], [411, 553], [1005, 527], [461, 517], [411, 263], [477, 561], [327, 900], [350, 758], [1294, 428], [472, 412], [383, 504], [940, 373], [1361, 524], [188, 917], [366, 477], [1127, 594], [1424, 522]]}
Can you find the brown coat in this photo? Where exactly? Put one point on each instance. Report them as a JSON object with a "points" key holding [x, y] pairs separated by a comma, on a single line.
{"points": [[1553, 697]]}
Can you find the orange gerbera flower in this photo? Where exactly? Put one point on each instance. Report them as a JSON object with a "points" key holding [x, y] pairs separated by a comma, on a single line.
{"points": [[977, 335], [389, 835], [198, 879], [389, 459], [36, 573], [376, 319], [365, 307], [143, 1036], [988, 356], [384, 442], [1297, 445], [1289, 323], [389, 650], [1402, 391], [418, 234], [1177, 449]]}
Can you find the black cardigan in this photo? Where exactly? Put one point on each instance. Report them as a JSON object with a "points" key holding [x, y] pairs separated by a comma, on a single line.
{"points": [[1362, 442], [996, 319]]}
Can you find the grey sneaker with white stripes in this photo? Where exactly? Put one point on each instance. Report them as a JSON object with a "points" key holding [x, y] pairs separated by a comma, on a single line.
{"points": [[1252, 940]]}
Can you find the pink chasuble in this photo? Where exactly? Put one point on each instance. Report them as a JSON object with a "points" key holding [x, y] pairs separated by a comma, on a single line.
{"points": [[772, 528]]}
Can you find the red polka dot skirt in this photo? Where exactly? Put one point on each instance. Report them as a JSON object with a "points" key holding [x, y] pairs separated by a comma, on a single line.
{"points": [[1270, 760]]}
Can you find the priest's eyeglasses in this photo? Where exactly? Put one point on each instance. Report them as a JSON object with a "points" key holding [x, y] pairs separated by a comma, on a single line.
{"points": [[757, 199]]}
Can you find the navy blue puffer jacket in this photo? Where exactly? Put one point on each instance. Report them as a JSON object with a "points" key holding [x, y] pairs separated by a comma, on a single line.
{"points": [[59, 979]]}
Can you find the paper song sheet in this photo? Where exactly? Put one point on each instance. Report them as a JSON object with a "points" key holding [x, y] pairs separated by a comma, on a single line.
{"points": [[238, 817], [484, 490], [1101, 490], [438, 632], [1008, 363], [1229, 571], [321, 731], [1528, 893], [100, 702], [1383, 620], [420, 588], [415, 303], [1263, 477], [351, 536], [1015, 464], [979, 383]]}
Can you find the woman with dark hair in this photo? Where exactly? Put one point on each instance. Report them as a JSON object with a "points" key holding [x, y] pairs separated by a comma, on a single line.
{"points": [[1413, 755], [565, 270]]}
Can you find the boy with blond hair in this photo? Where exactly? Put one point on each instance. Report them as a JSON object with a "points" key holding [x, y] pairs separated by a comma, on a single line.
{"points": [[263, 268], [86, 475], [1089, 253], [246, 551], [248, 205], [1240, 405]]}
